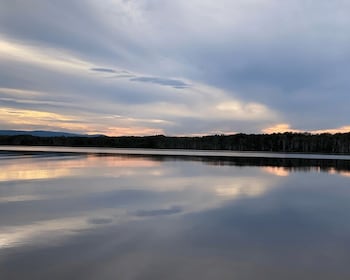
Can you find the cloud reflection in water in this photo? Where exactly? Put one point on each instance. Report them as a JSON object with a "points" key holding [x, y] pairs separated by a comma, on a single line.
{"points": [[157, 217]]}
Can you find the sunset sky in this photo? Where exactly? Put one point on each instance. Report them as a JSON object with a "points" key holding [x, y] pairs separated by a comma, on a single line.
{"points": [[184, 67]]}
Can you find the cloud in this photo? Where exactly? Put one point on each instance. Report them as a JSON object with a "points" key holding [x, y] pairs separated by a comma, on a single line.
{"points": [[68, 91], [162, 81], [280, 62], [343, 129], [280, 128], [100, 221], [105, 70], [159, 212], [283, 127]]}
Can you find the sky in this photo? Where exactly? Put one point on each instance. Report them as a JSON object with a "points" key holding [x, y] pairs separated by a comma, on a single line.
{"points": [[184, 67]]}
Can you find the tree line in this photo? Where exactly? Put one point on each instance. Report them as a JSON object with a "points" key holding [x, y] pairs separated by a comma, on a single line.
{"points": [[278, 142]]}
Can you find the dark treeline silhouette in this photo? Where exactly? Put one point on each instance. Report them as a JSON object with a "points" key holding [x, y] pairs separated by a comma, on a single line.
{"points": [[278, 142]]}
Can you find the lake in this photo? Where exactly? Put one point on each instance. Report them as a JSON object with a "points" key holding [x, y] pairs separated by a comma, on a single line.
{"points": [[99, 214]]}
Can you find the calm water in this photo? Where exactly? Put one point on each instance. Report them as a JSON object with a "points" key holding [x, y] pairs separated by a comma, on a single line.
{"points": [[88, 216]]}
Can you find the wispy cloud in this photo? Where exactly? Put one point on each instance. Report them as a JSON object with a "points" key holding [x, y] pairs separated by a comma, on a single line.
{"points": [[162, 81], [159, 212], [104, 70]]}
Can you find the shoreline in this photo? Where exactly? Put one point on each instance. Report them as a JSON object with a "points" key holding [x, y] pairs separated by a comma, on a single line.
{"points": [[171, 152]]}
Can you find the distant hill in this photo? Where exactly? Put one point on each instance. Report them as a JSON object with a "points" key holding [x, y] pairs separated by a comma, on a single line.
{"points": [[43, 133]]}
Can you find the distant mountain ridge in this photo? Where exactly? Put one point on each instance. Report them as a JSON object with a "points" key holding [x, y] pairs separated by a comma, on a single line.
{"points": [[44, 133]]}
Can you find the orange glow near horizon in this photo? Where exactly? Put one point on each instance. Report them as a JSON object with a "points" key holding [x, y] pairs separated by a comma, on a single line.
{"points": [[23, 119], [20, 115], [279, 128], [284, 127], [343, 129], [127, 131]]}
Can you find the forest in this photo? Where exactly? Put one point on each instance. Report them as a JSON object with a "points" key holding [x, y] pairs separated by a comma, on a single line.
{"points": [[278, 142]]}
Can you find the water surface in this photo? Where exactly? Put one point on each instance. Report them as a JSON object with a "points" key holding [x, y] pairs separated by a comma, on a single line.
{"points": [[93, 216]]}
